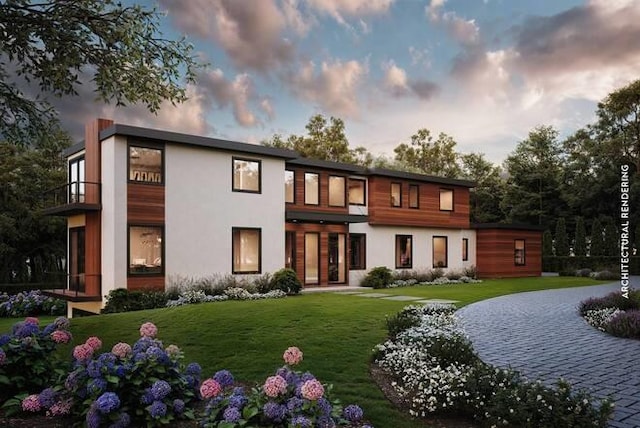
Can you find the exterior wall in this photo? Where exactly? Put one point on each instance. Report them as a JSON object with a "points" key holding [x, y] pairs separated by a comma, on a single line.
{"points": [[201, 210], [495, 249], [427, 215], [381, 247]]}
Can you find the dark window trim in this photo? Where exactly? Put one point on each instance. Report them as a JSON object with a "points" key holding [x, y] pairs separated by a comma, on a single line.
{"points": [[391, 195], [345, 255], [293, 233], [364, 193], [417, 187], [465, 249], [162, 250], [304, 256], [233, 170], [233, 250], [410, 266], [294, 187], [446, 251], [453, 199], [319, 186], [362, 236], [146, 145], [524, 252], [344, 200]]}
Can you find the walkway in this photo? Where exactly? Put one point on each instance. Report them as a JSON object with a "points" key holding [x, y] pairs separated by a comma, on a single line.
{"points": [[541, 334]]}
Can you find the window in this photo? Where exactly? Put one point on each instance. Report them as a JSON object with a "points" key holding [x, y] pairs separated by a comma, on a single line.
{"points": [[519, 253], [290, 250], [396, 194], [246, 175], [440, 252], [289, 187], [145, 249], [311, 188], [76, 181], [414, 196], [357, 191], [246, 250], [404, 251], [446, 200], [311, 258], [337, 190], [357, 251], [145, 165], [465, 249]]}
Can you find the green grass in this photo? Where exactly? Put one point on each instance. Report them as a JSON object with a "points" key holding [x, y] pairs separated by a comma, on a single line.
{"points": [[335, 332]]}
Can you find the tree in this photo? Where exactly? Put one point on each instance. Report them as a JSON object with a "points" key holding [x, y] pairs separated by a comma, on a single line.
{"points": [[636, 241], [547, 244], [427, 156], [561, 239], [611, 239], [48, 47], [597, 239], [490, 188], [580, 240]]}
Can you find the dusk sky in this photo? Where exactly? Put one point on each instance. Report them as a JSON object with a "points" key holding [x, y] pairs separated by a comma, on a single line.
{"points": [[485, 72]]}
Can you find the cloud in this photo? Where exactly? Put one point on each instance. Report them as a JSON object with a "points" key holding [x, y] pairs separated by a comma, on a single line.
{"points": [[338, 9], [419, 56], [222, 92], [267, 108], [397, 84], [464, 31], [295, 19], [433, 9]]}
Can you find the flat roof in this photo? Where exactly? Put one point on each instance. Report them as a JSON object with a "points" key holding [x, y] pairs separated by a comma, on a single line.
{"points": [[70, 151], [317, 163], [420, 177], [510, 226]]}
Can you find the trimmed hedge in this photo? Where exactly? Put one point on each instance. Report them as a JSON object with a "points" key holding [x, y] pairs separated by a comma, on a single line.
{"points": [[595, 263]]}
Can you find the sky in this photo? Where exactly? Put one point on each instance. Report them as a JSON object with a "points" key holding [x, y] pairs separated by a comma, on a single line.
{"points": [[486, 72]]}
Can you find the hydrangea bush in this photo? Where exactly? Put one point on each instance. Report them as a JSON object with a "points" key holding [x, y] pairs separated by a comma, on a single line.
{"points": [[32, 303], [289, 398]]}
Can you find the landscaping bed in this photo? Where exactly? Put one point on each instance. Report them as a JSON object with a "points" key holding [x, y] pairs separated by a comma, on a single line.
{"points": [[614, 313]]}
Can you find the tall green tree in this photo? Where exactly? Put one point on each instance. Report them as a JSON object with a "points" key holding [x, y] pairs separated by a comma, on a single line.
{"points": [[580, 239], [490, 188], [611, 239], [596, 247], [428, 156], [547, 244], [561, 238], [45, 47]]}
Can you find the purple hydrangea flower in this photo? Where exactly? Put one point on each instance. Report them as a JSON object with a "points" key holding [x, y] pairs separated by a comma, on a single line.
{"points": [[158, 409], [3, 357], [93, 418], [61, 323], [301, 422], [325, 421], [26, 330], [294, 404], [237, 401], [193, 369], [178, 406], [231, 415], [124, 420], [224, 378], [47, 397], [160, 389], [50, 328], [353, 413], [97, 386], [107, 402], [274, 411], [147, 397], [93, 369], [325, 406], [4, 339], [306, 376], [157, 354]]}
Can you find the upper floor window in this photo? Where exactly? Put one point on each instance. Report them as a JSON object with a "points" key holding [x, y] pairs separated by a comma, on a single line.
{"points": [[311, 188], [446, 200], [76, 180], [519, 252], [145, 165], [246, 175], [396, 194], [357, 191], [289, 187], [337, 190], [440, 259], [465, 249], [404, 251], [414, 196], [145, 249]]}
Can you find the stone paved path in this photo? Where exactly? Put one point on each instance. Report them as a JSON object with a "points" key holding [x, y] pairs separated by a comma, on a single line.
{"points": [[541, 334]]}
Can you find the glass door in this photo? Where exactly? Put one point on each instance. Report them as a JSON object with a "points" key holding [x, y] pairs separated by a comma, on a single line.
{"points": [[311, 258], [337, 251], [76, 259], [290, 250]]}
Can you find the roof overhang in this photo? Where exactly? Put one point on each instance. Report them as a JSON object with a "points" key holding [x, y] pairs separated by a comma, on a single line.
{"points": [[319, 217]]}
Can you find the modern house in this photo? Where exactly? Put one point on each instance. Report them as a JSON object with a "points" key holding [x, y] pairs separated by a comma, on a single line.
{"points": [[143, 205]]}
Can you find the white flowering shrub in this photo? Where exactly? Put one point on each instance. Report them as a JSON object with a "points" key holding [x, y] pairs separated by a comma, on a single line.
{"points": [[600, 318], [438, 281], [235, 293]]}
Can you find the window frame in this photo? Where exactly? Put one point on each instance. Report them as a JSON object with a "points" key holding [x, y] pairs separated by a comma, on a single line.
{"points": [[233, 248], [395, 183], [446, 251], [304, 255], [465, 249], [524, 252], [443, 189], [410, 265], [294, 186], [344, 186], [146, 145], [363, 242], [233, 174], [364, 191], [77, 188], [317, 174], [162, 249], [417, 189]]}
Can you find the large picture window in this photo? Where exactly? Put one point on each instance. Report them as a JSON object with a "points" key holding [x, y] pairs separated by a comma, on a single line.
{"points": [[337, 189], [76, 181], [396, 194], [414, 196], [446, 200], [289, 187], [465, 249], [440, 252], [246, 175], [145, 165], [404, 251], [519, 252], [246, 248], [357, 251], [357, 191], [311, 188], [145, 249]]}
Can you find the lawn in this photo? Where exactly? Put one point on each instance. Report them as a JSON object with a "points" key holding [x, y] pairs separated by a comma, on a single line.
{"points": [[336, 333]]}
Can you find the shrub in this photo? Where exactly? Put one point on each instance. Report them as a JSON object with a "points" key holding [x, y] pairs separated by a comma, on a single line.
{"points": [[378, 277], [453, 275], [30, 303], [611, 300], [123, 300], [599, 318], [263, 283], [605, 275], [585, 273], [624, 324], [287, 281], [401, 321]]}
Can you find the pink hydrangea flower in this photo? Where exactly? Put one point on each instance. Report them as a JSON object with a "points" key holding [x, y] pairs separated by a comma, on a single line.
{"points": [[60, 408], [121, 350], [61, 336], [312, 390], [274, 386], [32, 320], [83, 352], [292, 356], [3, 357], [210, 388], [172, 350], [148, 329], [31, 403], [94, 342]]}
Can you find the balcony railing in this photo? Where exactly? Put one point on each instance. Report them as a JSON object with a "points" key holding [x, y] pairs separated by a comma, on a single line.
{"points": [[73, 198], [78, 287]]}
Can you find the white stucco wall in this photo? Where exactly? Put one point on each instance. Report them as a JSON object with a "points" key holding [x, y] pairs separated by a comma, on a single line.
{"points": [[381, 247], [201, 210]]}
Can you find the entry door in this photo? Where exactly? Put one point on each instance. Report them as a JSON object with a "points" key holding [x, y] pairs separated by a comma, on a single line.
{"points": [[337, 258], [76, 259]]}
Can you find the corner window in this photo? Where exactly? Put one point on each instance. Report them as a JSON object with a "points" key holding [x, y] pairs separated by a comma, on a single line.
{"points": [[414, 196], [357, 191], [446, 200], [311, 188], [246, 175], [440, 252], [396, 194], [76, 180], [519, 252], [145, 249], [404, 252], [246, 247], [289, 187], [337, 190], [357, 251], [465, 249], [145, 165]]}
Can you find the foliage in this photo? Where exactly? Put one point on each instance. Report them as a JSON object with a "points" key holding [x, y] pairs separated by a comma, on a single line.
{"points": [[562, 240], [547, 244], [286, 280], [490, 187], [614, 313], [580, 238], [597, 239], [378, 277], [427, 156], [611, 300], [624, 324], [611, 239], [123, 300], [437, 276], [599, 318], [57, 46], [32, 303]]}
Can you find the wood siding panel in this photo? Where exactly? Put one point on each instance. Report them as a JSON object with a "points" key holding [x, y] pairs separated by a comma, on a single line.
{"points": [[495, 250], [145, 283], [299, 204], [145, 204], [428, 215]]}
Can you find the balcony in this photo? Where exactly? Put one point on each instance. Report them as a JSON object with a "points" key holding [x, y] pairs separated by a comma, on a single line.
{"points": [[79, 288], [73, 198]]}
